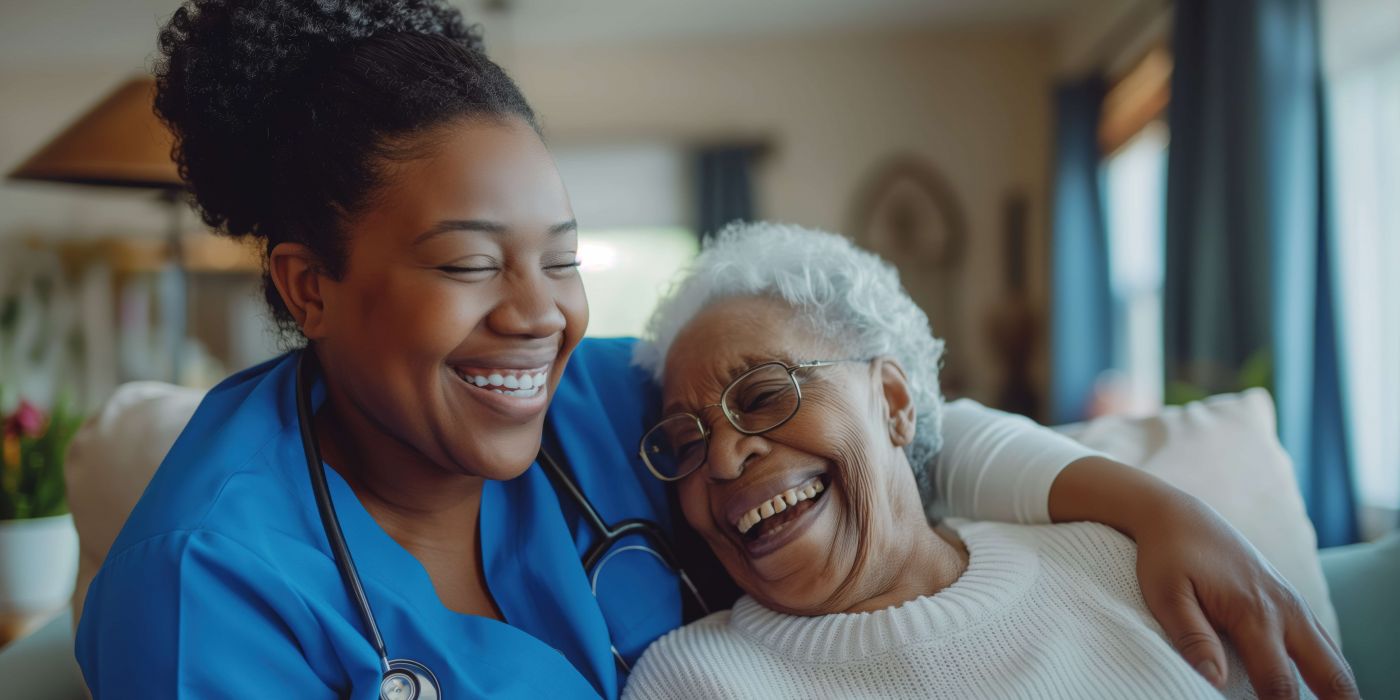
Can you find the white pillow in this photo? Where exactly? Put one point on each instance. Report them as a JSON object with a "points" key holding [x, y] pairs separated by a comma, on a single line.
{"points": [[1225, 451], [110, 461]]}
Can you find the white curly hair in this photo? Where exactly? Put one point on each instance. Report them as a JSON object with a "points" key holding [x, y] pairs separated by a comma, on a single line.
{"points": [[849, 295]]}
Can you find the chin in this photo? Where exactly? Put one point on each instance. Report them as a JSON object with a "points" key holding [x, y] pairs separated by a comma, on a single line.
{"points": [[503, 461], [809, 594]]}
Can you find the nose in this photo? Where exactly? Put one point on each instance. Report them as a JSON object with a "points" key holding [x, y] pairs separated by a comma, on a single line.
{"points": [[732, 451], [528, 307]]}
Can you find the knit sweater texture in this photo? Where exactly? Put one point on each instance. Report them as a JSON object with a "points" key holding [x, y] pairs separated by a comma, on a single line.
{"points": [[1042, 611]]}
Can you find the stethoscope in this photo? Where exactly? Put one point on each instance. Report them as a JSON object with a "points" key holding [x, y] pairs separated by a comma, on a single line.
{"points": [[406, 679]]}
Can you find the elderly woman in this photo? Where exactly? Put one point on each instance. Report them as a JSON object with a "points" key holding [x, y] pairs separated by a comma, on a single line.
{"points": [[801, 412]]}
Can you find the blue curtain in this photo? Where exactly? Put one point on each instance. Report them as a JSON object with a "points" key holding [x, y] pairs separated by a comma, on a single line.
{"points": [[1249, 276], [1081, 338], [724, 182]]}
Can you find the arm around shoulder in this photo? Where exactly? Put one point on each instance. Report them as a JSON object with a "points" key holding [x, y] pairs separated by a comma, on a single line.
{"points": [[999, 466]]}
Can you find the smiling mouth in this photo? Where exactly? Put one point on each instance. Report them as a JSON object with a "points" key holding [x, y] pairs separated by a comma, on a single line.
{"points": [[763, 528], [520, 383]]}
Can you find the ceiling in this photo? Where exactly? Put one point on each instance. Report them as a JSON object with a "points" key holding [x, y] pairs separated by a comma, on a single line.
{"points": [[37, 34]]}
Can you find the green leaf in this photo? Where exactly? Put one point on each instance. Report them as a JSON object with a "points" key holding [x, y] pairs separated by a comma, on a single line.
{"points": [[35, 487]]}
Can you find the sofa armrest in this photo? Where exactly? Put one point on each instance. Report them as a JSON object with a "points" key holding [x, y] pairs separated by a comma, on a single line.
{"points": [[41, 665], [1364, 580]]}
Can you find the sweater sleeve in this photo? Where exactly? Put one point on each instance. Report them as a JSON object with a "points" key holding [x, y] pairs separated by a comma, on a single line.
{"points": [[998, 466]]}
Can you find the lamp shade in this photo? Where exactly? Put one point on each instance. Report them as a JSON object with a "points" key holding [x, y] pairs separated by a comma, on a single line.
{"points": [[119, 142]]}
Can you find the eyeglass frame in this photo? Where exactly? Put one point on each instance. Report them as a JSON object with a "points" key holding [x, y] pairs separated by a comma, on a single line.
{"points": [[705, 431]]}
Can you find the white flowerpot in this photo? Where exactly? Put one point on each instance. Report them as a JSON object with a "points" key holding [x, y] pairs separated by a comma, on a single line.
{"points": [[38, 565]]}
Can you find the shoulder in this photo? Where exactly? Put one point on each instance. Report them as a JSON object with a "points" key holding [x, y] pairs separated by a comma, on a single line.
{"points": [[234, 468], [689, 661], [1081, 557], [602, 406], [1086, 544], [602, 369]]}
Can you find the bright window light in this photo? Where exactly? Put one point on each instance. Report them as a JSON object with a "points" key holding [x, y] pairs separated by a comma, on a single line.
{"points": [[1365, 109], [1135, 200], [625, 272]]}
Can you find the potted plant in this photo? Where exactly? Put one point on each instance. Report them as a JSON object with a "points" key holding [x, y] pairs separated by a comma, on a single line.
{"points": [[38, 545]]}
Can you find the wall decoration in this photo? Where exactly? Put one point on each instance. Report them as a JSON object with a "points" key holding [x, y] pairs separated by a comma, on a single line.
{"points": [[908, 214]]}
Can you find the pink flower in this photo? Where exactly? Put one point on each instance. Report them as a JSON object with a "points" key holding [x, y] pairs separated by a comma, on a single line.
{"points": [[26, 421]]}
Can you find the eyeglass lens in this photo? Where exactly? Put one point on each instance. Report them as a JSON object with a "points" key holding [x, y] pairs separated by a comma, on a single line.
{"points": [[759, 400]]}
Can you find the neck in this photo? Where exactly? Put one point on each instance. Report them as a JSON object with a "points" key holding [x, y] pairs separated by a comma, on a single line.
{"points": [[409, 495], [920, 563]]}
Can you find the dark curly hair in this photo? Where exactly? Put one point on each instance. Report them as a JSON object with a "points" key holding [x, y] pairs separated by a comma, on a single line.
{"points": [[285, 111]]}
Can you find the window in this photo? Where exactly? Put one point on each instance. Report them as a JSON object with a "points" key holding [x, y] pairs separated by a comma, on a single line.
{"points": [[1135, 200], [626, 270], [1363, 83], [1134, 138], [633, 204]]}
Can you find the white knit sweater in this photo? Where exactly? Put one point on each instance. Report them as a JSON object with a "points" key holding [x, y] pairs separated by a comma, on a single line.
{"points": [[1043, 611]]}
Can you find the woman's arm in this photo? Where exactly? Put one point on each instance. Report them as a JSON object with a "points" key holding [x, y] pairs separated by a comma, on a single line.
{"points": [[1198, 575], [998, 466]]}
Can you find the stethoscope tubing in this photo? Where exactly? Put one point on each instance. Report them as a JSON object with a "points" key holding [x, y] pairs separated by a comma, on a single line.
{"points": [[330, 522], [350, 575]]}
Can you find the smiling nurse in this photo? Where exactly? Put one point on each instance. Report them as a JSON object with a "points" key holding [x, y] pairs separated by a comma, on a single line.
{"points": [[418, 238]]}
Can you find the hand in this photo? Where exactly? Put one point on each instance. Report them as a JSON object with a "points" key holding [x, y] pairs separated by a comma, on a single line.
{"points": [[1199, 576]]}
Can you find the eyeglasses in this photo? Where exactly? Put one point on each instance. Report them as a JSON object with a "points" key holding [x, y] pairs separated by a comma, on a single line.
{"points": [[761, 399]]}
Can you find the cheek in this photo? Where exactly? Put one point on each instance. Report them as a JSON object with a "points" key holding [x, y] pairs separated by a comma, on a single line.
{"points": [[418, 310], [694, 499], [573, 303]]}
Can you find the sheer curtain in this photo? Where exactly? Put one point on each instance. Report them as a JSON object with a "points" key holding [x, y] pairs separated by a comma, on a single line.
{"points": [[1362, 52]]}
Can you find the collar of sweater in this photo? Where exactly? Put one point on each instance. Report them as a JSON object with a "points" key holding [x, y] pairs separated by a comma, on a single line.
{"points": [[1000, 570]]}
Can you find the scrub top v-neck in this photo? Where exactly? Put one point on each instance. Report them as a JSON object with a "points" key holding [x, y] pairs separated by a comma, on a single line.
{"points": [[221, 584]]}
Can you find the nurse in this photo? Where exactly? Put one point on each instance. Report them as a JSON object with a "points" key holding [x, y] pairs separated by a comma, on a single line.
{"points": [[421, 249]]}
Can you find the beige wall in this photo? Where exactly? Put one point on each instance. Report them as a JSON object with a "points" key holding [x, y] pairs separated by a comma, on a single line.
{"points": [[974, 105]]}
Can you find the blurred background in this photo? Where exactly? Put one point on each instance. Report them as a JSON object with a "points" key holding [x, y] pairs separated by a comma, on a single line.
{"points": [[1103, 205]]}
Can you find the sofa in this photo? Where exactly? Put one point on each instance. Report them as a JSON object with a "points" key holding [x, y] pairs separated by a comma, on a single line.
{"points": [[1223, 450]]}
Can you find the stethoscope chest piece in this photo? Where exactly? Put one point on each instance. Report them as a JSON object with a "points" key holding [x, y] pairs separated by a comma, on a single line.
{"points": [[408, 680]]}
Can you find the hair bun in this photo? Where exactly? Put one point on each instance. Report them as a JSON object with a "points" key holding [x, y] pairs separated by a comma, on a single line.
{"points": [[229, 69]]}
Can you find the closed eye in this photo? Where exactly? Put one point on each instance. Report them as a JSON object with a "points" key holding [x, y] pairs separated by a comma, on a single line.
{"points": [[454, 270]]}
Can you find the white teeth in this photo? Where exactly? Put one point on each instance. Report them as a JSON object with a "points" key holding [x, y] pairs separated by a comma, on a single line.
{"points": [[517, 392], [776, 505], [509, 384]]}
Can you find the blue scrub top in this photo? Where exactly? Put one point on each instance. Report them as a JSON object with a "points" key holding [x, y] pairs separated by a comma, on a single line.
{"points": [[221, 584]]}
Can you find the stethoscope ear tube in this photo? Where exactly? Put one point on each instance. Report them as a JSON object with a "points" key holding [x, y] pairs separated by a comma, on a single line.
{"points": [[401, 679]]}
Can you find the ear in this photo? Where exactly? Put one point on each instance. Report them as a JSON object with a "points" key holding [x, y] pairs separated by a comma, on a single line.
{"points": [[298, 276], [899, 408]]}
